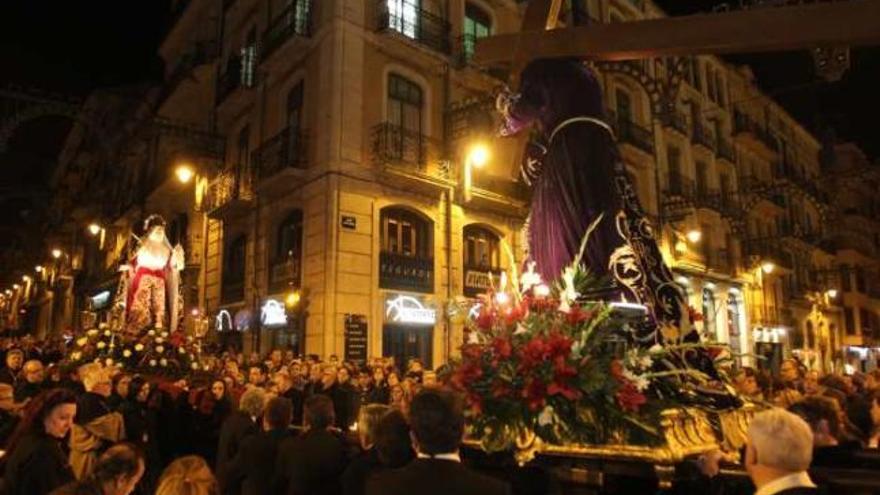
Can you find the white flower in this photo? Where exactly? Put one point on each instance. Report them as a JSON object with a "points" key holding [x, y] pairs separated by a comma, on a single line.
{"points": [[151, 333], [639, 381], [92, 332], [568, 294], [109, 362], [164, 334], [102, 325], [656, 349], [473, 338], [101, 345], [529, 278], [520, 329], [646, 362], [159, 340], [160, 349], [163, 362], [139, 347], [106, 333], [546, 417], [195, 366], [189, 338], [181, 350], [82, 341], [126, 353], [152, 362], [76, 355]]}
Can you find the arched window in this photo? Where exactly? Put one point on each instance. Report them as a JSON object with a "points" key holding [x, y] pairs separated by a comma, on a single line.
{"points": [[477, 24], [407, 257], [234, 261], [285, 268]]}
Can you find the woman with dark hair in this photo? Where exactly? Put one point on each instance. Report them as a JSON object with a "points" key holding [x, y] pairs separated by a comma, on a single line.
{"points": [[119, 394], [392, 440], [212, 407], [36, 464], [117, 472], [141, 425]]}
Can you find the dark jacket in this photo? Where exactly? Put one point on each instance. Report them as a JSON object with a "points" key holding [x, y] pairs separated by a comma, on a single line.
{"points": [[346, 402], [255, 463], [435, 477], [378, 395], [36, 466], [9, 376], [310, 464], [357, 473], [26, 390], [235, 429]]}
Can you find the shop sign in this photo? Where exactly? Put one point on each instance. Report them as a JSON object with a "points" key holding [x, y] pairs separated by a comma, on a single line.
{"points": [[100, 299], [356, 338], [223, 321], [408, 309], [273, 314]]}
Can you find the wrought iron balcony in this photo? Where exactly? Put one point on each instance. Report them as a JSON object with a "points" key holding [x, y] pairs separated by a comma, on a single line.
{"points": [[396, 145], [745, 125], [631, 133], [703, 136], [284, 274], [677, 121], [400, 272], [230, 195], [409, 19], [726, 150], [708, 198], [294, 20], [680, 186], [286, 150], [480, 279]]}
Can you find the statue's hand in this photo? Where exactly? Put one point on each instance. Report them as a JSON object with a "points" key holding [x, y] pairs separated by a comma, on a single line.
{"points": [[177, 257]]}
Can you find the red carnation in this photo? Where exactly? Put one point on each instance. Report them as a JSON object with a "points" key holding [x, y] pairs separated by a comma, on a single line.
{"points": [[486, 319], [502, 347], [535, 394], [563, 389], [629, 398], [616, 369], [576, 315]]}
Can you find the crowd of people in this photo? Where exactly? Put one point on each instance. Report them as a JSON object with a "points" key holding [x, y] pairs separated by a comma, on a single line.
{"points": [[293, 425]]}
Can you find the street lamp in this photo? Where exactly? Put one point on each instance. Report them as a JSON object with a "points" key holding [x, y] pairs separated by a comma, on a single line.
{"points": [[95, 229], [292, 299], [768, 267], [38, 269], [56, 253], [184, 173], [694, 236], [476, 157], [16, 286], [25, 279], [831, 293]]}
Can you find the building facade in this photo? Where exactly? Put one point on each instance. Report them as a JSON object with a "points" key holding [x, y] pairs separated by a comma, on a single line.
{"points": [[337, 207]]}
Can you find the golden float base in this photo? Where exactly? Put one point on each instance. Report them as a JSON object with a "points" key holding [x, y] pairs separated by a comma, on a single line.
{"points": [[687, 432]]}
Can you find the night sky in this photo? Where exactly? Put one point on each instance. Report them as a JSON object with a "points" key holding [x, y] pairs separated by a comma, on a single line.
{"points": [[73, 47]]}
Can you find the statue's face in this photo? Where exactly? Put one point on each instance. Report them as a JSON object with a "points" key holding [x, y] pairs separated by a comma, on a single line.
{"points": [[157, 234]]}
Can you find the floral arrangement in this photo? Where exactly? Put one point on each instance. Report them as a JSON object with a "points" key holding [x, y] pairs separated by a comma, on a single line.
{"points": [[155, 352], [539, 360]]}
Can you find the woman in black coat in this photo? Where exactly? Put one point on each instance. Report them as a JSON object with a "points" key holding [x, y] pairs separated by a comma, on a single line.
{"points": [[36, 463]]}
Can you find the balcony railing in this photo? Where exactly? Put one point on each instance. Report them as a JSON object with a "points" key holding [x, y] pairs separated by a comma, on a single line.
{"points": [[678, 121], [286, 150], [400, 272], [681, 186], [294, 20], [726, 150], [744, 124], [407, 18], [230, 187], [708, 198], [631, 133], [703, 136], [480, 279], [284, 274], [396, 145]]}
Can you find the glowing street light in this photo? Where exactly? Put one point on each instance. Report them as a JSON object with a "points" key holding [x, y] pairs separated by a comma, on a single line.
{"points": [[768, 267], [831, 293], [56, 253], [25, 279], [94, 229], [292, 299], [38, 269], [694, 236], [476, 157], [16, 286], [184, 173]]}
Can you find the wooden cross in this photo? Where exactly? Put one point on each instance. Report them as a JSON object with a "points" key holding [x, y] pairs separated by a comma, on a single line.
{"points": [[807, 26]]}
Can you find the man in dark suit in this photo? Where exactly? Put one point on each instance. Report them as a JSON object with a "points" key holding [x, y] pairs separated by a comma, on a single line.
{"points": [[437, 424], [254, 464], [779, 452], [239, 425], [312, 463]]}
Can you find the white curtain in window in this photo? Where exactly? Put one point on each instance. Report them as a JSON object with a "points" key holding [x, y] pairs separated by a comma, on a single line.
{"points": [[403, 16]]}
